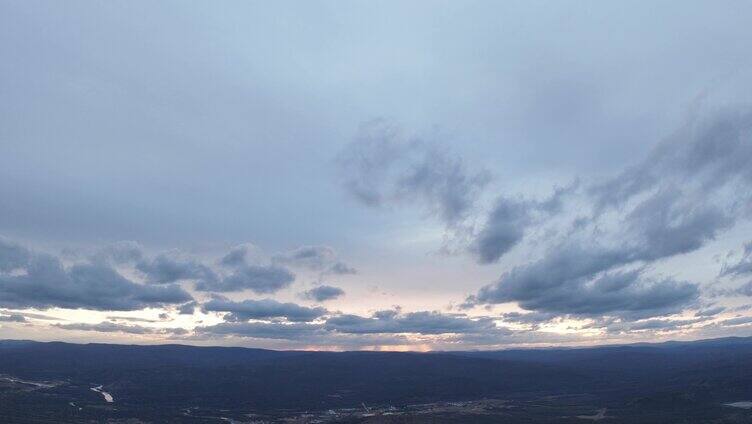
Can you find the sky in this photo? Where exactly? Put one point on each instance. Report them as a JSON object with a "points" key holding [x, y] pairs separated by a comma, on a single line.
{"points": [[425, 175]]}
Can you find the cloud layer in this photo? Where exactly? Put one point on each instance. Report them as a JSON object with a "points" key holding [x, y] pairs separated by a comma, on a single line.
{"points": [[263, 309], [38, 280], [691, 188], [383, 166], [323, 293]]}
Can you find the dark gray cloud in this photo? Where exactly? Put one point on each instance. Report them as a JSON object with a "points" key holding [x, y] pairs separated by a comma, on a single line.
{"points": [[130, 319], [341, 268], [321, 335], [669, 223], [235, 257], [533, 319], [313, 257], [173, 267], [12, 318], [652, 325], [105, 327], [712, 152], [390, 323], [323, 293], [263, 309], [263, 330], [509, 219], [111, 327], [169, 268], [504, 228], [187, 308], [683, 195], [743, 266], [737, 321], [423, 322], [13, 256], [381, 165], [572, 279], [745, 289], [317, 258], [711, 311], [33, 315], [46, 283], [261, 279]]}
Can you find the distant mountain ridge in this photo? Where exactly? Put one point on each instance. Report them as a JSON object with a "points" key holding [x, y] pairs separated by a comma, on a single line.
{"points": [[669, 343]]}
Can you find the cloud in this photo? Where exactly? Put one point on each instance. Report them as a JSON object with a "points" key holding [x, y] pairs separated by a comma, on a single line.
{"points": [[746, 289], [533, 319], [381, 166], [12, 255], [743, 267], [572, 279], [317, 258], [35, 316], [652, 325], [263, 309], [12, 318], [105, 327], [504, 228], [423, 322], [261, 279], [737, 321], [709, 312], [235, 257], [691, 188], [238, 255], [111, 327], [121, 252], [318, 334], [669, 223], [262, 330], [506, 224], [323, 293], [187, 308], [384, 327], [37, 280], [43, 282], [130, 319], [340, 268], [171, 268], [313, 257], [710, 153]]}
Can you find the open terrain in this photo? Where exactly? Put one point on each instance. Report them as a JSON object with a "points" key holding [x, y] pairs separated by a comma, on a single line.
{"points": [[703, 381]]}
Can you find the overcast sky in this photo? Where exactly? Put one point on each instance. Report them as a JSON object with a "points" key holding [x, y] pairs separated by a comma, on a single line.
{"points": [[375, 175]]}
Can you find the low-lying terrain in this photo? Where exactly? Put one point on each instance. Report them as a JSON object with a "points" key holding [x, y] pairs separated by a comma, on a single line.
{"points": [[704, 381]]}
